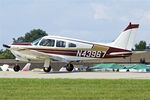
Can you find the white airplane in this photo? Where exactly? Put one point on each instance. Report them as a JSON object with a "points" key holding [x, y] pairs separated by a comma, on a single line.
{"points": [[71, 50]]}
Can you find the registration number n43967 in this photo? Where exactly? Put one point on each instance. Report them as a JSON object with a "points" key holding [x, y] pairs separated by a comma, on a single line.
{"points": [[89, 53]]}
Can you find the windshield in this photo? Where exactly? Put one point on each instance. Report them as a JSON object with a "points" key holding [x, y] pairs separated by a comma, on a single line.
{"points": [[36, 41], [47, 42]]}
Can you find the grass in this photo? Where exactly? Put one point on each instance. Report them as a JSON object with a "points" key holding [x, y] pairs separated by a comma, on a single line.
{"points": [[74, 89]]}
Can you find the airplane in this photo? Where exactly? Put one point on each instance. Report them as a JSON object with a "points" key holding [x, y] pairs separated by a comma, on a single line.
{"points": [[71, 50]]}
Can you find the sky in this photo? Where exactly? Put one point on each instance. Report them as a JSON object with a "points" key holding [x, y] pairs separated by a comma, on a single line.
{"points": [[90, 20]]}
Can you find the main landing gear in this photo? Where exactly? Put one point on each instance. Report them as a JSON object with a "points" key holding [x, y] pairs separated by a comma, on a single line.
{"points": [[69, 67], [47, 69], [47, 66]]}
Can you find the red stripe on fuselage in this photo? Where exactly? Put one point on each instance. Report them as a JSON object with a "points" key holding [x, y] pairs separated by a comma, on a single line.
{"points": [[112, 50], [61, 52], [74, 52], [118, 56], [23, 44]]}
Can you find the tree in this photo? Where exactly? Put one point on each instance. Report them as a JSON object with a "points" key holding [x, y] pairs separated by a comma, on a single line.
{"points": [[148, 47], [6, 54], [31, 36], [140, 46], [1, 51]]}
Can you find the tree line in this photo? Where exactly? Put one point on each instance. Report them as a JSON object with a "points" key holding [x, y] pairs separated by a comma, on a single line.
{"points": [[38, 33]]}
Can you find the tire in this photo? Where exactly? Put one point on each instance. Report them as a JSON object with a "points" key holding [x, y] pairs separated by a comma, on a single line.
{"points": [[69, 67], [16, 68], [47, 69]]}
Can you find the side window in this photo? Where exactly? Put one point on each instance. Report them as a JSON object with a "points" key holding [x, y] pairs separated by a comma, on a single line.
{"points": [[72, 45], [47, 42], [60, 43]]}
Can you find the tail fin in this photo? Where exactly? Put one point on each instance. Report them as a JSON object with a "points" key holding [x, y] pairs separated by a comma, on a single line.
{"points": [[126, 38]]}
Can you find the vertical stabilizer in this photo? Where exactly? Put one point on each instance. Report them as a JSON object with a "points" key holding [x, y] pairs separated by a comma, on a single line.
{"points": [[126, 38]]}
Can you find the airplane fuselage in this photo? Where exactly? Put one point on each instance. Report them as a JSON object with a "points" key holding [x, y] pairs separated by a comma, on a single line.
{"points": [[67, 48]]}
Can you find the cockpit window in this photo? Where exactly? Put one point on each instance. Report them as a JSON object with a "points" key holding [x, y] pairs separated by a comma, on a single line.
{"points": [[36, 41], [72, 45], [47, 42], [60, 43]]}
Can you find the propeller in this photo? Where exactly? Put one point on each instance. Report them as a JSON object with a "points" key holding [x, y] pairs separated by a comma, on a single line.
{"points": [[6, 46]]}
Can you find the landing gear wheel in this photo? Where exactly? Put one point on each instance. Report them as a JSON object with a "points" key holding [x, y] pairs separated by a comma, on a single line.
{"points": [[16, 68], [47, 69], [69, 67]]}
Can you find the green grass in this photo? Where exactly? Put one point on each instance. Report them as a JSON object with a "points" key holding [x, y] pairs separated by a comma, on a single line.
{"points": [[74, 89]]}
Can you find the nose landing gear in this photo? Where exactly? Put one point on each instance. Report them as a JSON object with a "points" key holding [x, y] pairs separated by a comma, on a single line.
{"points": [[16, 68]]}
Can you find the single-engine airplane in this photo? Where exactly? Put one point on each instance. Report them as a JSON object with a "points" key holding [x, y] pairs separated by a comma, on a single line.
{"points": [[71, 50]]}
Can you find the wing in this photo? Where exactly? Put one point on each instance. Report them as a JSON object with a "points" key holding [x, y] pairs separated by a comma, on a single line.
{"points": [[41, 55]]}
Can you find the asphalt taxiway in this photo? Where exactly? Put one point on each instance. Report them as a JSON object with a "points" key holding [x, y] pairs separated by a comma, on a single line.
{"points": [[75, 75]]}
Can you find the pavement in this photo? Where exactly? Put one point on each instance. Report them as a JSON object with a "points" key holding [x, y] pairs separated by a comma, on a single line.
{"points": [[75, 75]]}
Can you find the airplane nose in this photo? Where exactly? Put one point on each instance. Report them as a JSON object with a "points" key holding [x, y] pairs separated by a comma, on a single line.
{"points": [[6, 46]]}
